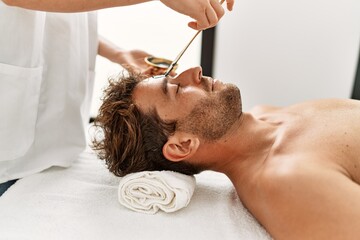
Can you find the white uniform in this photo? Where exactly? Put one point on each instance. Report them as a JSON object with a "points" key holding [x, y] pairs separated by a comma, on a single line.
{"points": [[47, 65]]}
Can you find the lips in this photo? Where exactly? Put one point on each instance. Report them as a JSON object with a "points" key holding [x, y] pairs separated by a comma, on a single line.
{"points": [[214, 83], [208, 84]]}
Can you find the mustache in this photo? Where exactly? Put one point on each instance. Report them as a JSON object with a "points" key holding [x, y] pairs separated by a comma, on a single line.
{"points": [[206, 83]]}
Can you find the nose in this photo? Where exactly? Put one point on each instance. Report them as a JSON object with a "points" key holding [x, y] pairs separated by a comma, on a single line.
{"points": [[190, 76]]}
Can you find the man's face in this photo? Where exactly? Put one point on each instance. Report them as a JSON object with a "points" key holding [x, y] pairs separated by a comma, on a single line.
{"points": [[203, 106]]}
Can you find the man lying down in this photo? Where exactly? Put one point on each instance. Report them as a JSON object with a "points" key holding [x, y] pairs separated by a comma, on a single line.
{"points": [[296, 169]]}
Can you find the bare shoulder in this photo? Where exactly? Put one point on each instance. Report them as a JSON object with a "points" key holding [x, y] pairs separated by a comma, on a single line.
{"points": [[328, 104], [306, 201], [263, 109]]}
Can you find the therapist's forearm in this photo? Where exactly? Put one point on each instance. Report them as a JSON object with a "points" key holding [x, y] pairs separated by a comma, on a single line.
{"points": [[110, 51], [70, 5], [131, 60]]}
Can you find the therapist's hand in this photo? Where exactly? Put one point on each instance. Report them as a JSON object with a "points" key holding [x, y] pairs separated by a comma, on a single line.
{"points": [[133, 60], [206, 13]]}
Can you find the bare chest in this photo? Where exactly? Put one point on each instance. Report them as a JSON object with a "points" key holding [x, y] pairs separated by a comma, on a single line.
{"points": [[332, 141]]}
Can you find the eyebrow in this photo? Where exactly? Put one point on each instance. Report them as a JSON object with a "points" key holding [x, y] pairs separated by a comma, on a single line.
{"points": [[164, 85]]}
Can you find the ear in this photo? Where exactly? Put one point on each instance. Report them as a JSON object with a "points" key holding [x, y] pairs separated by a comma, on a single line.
{"points": [[180, 146]]}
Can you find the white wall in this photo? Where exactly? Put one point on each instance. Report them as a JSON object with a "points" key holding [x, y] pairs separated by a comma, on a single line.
{"points": [[283, 51], [151, 27]]}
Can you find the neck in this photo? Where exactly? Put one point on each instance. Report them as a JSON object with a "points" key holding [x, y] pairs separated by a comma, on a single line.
{"points": [[244, 149]]}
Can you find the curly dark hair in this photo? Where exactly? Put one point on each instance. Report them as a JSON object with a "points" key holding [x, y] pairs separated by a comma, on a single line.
{"points": [[129, 140]]}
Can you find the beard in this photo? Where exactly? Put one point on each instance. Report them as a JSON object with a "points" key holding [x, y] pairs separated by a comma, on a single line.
{"points": [[213, 116]]}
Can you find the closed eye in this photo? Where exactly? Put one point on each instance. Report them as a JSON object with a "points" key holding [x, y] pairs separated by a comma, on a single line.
{"points": [[177, 90]]}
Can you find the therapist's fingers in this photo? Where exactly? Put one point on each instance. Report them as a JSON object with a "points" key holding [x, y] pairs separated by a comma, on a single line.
{"points": [[209, 21], [205, 13], [219, 10], [202, 21], [213, 13], [230, 4], [148, 71], [154, 71], [209, 18]]}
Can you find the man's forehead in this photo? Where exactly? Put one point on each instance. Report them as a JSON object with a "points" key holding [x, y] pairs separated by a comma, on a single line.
{"points": [[150, 82], [149, 85], [146, 92]]}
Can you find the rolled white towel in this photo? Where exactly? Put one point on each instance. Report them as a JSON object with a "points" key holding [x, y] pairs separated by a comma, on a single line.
{"points": [[149, 191]]}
